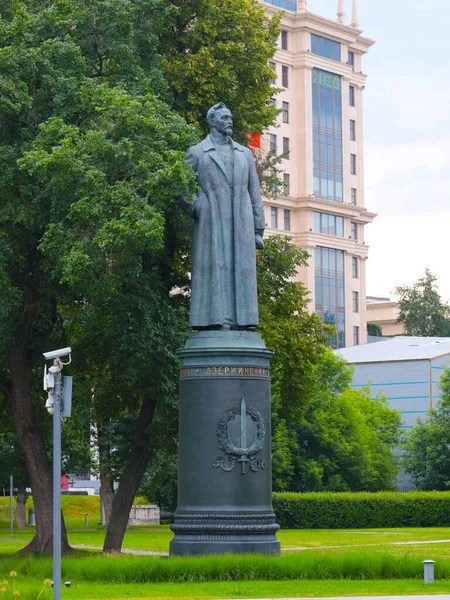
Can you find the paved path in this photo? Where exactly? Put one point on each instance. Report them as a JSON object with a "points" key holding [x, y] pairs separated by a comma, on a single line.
{"points": [[423, 597], [295, 548], [124, 550]]}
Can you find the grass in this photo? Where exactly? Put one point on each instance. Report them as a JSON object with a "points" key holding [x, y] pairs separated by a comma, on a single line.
{"points": [[366, 563], [237, 589]]}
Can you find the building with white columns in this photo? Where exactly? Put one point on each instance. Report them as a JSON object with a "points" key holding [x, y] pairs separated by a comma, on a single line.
{"points": [[318, 64]]}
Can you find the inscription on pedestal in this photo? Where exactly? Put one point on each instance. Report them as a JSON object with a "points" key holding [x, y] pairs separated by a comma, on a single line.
{"points": [[229, 371]]}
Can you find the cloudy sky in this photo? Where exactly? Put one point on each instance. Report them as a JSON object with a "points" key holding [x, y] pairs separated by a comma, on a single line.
{"points": [[406, 139]]}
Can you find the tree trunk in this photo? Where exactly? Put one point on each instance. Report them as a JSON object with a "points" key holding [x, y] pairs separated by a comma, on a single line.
{"points": [[27, 428], [21, 502], [106, 495], [131, 478]]}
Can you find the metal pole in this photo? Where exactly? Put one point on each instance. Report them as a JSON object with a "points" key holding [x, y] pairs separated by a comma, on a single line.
{"points": [[11, 489], [57, 484]]}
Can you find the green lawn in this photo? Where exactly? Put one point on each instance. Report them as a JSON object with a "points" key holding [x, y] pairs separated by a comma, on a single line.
{"points": [[157, 538], [238, 589], [317, 543]]}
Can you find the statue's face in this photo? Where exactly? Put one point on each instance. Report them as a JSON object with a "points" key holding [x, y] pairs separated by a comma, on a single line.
{"points": [[223, 121]]}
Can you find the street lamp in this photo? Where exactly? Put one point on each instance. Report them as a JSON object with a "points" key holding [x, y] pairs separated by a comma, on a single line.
{"points": [[58, 405]]}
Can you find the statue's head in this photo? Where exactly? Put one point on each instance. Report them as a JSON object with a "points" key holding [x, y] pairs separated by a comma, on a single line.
{"points": [[219, 118]]}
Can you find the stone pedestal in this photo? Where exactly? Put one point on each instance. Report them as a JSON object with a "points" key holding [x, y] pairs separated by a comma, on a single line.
{"points": [[224, 471]]}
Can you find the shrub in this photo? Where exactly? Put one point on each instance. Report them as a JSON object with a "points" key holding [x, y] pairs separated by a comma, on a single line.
{"points": [[362, 510]]}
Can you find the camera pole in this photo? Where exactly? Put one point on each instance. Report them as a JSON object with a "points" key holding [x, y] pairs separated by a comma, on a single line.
{"points": [[57, 481]]}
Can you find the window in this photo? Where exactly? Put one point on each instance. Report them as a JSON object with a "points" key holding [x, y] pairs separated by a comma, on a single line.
{"points": [[355, 269], [354, 231], [273, 143], [355, 336], [286, 184], [352, 130], [351, 58], [284, 40], [353, 164], [285, 76], [351, 95], [287, 4], [328, 224], [327, 135], [273, 66], [272, 101], [285, 108], [287, 220], [329, 291], [325, 47], [353, 195], [286, 149], [274, 217], [355, 301]]}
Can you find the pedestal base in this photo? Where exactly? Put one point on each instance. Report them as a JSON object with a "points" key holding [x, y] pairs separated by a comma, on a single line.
{"points": [[225, 477]]}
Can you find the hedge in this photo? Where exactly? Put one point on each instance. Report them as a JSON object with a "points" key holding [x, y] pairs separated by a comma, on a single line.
{"points": [[362, 510]]}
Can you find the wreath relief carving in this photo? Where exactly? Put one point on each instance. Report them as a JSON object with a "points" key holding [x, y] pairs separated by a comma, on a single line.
{"points": [[244, 454]]}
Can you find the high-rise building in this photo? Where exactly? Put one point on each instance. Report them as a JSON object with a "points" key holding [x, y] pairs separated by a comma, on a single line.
{"points": [[318, 64]]}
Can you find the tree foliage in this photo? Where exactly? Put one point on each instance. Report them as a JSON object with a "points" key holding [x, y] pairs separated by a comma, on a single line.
{"points": [[421, 308], [345, 439], [326, 435], [374, 329], [427, 446], [91, 245], [219, 50]]}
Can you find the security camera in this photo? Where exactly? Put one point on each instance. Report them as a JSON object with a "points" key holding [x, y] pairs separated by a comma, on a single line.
{"points": [[57, 353]]}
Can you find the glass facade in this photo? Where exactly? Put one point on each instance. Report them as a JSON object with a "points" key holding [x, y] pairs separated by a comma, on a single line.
{"points": [[327, 135], [325, 47], [329, 291], [328, 224], [286, 4]]}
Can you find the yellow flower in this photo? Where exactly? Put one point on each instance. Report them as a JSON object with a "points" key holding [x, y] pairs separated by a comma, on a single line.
{"points": [[3, 590], [16, 594], [5, 582], [13, 574], [47, 582]]}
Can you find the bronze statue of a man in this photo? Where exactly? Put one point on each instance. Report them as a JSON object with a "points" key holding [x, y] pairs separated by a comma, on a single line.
{"points": [[228, 223]]}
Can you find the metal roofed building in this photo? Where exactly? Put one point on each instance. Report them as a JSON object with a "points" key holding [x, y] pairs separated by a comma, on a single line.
{"points": [[406, 370]]}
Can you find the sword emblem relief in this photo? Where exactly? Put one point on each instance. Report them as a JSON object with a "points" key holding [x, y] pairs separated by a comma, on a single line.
{"points": [[250, 425]]}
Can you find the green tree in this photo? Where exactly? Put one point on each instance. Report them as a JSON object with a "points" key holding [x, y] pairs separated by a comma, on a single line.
{"points": [[427, 446], [421, 308], [374, 329], [90, 162], [345, 439], [91, 244], [219, 50]]}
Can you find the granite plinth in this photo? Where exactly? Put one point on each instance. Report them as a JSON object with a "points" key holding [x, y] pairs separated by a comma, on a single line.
{"points": [[225, 477]]}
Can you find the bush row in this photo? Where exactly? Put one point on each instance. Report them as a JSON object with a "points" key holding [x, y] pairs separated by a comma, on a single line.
{"points": [[145, 569], [362, 510]]}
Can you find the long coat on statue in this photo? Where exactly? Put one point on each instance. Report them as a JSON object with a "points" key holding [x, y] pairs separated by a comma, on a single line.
{"points": [[226, 214]]}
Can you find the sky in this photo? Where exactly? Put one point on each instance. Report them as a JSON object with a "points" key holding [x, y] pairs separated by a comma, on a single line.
{"points": [[406, 139]]}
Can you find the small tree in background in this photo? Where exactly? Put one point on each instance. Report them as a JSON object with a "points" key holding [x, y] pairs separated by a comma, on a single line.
{"points": [[421, 308]]}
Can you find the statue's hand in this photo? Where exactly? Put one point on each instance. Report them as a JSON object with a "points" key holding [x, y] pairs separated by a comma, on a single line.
{"points": [[188, 207], [259, 242]]}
